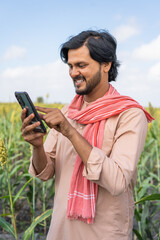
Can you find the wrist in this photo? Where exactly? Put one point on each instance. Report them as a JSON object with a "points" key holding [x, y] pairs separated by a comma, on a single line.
{"points": [[38, 148], [72, 134]]}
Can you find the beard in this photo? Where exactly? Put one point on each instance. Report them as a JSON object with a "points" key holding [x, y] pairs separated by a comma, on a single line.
{"points": [[91, 84]]}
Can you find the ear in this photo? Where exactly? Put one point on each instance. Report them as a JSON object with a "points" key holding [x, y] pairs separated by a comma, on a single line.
{"points": [[107, 66]]}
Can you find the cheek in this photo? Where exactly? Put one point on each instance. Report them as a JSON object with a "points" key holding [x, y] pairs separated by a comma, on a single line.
{"points": [[85, 73]]}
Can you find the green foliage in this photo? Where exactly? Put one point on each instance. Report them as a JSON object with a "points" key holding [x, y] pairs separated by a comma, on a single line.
{"points": [[151, 109], [18, 188], [155, 196], [40, 100], [147, 190], [7, 226], [39, 219]]}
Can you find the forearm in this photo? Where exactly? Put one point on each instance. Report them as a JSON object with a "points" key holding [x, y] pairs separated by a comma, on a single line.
{"points": [[106, 172], [81, 145], [54, 118], [114, 166], [39, 159]]}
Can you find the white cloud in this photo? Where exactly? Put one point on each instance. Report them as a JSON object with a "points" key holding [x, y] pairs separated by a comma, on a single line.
{"points": [[139, 81], [35, 72], [154, 72], [39, 80], [138, 86], [15, 52], [150, 51], [11, 73], [125, 31], [53, 79]]}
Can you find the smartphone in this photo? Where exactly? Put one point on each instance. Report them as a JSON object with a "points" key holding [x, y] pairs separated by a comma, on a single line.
{"points": [[25, 102]]}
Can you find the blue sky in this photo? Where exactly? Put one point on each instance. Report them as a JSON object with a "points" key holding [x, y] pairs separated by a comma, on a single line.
{"points": [[32, 32]]}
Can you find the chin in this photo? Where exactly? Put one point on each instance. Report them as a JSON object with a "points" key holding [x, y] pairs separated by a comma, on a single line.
{"points": [[83, 92], [80, 92]]}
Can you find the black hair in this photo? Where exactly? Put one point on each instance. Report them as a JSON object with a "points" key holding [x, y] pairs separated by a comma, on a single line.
{"points": [[102, 47]]}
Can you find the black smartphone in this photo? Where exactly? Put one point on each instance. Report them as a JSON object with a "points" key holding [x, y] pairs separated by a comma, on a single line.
{"points": [[25, 102]]}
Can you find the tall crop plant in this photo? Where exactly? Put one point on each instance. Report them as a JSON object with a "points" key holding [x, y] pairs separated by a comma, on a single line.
{"points": [[147, 191], [17, 186], [36, 197]]}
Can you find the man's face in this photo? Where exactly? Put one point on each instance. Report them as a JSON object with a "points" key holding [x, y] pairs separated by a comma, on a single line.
{"points": [[84, 71]]}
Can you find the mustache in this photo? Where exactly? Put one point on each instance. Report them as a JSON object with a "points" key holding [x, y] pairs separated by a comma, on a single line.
{"points": [[79, 78]]}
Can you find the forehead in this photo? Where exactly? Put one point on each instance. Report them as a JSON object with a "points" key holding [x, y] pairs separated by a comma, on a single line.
{"points": [[79, 55]]}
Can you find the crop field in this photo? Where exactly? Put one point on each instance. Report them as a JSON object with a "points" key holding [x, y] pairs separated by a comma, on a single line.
{"points": [[26, 202]]}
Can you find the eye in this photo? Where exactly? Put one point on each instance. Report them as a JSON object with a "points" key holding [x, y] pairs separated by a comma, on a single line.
{"points": [[70, 66], [82, 65]]}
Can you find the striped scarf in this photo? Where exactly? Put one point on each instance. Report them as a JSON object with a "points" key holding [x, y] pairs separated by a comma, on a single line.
{"points": [[83, 193]]}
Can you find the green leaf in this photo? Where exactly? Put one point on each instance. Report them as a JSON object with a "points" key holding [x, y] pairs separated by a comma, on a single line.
{"points": [[153, 134], [145, 214], [21, 190], [7, 197], [6, 214], [155, 196], [37, 220], [137, 215], [7, 226], [137, 234], [15, 169]]}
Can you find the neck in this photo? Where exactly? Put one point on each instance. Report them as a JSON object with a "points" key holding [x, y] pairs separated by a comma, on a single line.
{"points": [[95, 94]]}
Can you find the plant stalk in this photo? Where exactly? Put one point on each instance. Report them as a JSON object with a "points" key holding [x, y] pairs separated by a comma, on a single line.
{"points": [[11, 203]]}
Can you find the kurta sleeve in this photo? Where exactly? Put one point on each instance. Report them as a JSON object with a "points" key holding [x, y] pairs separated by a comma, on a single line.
{"points": [[114, 172], [50, 150]]}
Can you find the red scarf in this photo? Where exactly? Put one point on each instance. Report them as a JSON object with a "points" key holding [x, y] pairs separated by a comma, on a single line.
{"points": [[83, 193]]}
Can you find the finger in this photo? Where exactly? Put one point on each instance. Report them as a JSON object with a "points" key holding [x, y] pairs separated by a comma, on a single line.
{"points": [[53, 122], [23, 114], [29, 128], [50, 119], [27, 120], [54, 114], [33, 136], [43, 109], [41, 116]]}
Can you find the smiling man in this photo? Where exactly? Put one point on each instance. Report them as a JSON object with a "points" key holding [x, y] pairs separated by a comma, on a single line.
{"points": [[93, 146], [89, 76]]}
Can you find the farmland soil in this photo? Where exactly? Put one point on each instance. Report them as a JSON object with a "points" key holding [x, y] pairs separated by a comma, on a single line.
{"points": [[24, 220], [9, 237]]}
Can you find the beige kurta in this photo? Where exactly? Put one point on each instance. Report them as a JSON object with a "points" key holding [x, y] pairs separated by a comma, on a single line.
{"points": [[113, 168]]}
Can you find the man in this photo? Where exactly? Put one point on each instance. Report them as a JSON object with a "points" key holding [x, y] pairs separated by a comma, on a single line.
{"points": [[93, 146]]}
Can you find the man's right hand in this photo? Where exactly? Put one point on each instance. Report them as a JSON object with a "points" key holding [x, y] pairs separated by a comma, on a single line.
{"points": [[28, 133]]}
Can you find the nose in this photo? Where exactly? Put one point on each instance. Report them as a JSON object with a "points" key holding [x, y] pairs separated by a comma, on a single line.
{"points": [[74, 72]]}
